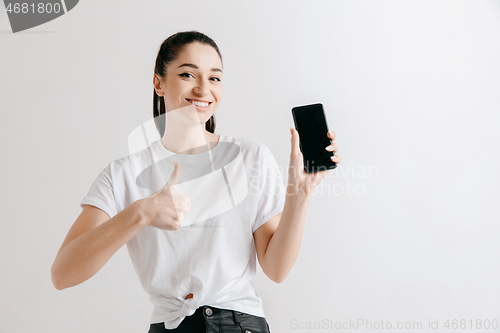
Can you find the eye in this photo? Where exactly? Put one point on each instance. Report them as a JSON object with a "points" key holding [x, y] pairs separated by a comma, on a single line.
{"points": [[185, 74], [216, 79]]}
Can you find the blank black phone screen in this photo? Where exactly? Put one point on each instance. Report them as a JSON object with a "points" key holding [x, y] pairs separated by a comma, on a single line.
{"points": [[310, 123]]}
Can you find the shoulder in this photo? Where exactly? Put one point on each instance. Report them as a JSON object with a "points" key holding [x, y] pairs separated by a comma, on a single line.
{"points": [[131, 163]]}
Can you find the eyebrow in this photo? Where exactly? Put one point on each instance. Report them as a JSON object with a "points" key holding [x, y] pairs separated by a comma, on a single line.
{"points": [[194, 66]]}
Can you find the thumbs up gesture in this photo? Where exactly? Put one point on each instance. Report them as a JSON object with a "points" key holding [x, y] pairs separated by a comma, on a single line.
{"points": [[166, 208]]}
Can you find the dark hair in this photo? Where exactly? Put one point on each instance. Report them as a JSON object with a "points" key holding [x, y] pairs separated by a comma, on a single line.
{"points": [[169, 51]]}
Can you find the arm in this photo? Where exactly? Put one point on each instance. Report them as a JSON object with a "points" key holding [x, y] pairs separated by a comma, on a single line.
{"points": [[91, 242], [94, 237], [277, 241]]}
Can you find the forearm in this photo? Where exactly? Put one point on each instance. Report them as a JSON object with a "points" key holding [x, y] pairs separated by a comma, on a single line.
{"points": [[284, 245], [85, 255]]}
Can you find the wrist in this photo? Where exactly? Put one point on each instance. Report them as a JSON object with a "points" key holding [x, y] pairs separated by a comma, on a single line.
{"points": [[139, 213], [297, 193]]}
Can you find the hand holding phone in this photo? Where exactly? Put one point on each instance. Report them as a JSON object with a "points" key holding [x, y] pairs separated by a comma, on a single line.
{"points": [[310, 123]]}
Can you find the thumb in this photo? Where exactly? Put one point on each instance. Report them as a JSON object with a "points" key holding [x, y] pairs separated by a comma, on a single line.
{"points": [[176, 174], [295, 142]]}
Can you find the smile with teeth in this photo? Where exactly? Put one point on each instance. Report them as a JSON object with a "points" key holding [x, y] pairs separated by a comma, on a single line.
{"points": [[197, 103]]}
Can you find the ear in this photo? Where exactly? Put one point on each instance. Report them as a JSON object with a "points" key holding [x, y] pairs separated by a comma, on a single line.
{"points": [[158, 85]]}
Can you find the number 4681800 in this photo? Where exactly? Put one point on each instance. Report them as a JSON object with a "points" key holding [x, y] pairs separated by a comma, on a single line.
{"points": [[41, 8], [477, 324]]}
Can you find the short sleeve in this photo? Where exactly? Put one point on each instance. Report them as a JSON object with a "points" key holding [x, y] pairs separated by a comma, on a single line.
{"points": [[272, 190], [101, 194]]}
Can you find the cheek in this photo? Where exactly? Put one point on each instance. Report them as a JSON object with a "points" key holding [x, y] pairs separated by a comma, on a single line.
{"points": [[218, 93], [177, 88]]}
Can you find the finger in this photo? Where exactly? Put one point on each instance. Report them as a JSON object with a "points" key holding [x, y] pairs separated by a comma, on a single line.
{"points": [[295, 142], [336, 158], [176, 174], [332, 135], [333, 147]]}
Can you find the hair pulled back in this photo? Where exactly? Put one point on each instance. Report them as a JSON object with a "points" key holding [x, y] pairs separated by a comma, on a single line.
{"points": [[169, 51]]}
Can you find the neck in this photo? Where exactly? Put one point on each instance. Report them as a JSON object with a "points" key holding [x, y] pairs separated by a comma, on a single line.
{"points": [[184, 134]]}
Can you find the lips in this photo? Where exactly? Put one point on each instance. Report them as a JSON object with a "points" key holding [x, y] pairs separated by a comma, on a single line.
{"points": [[199, 107], [197, 100]]}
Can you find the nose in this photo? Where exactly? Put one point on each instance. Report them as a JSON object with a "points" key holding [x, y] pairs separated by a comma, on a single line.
{"points": [[201, 89]]}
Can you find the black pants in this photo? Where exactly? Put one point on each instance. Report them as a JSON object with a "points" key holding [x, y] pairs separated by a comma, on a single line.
{"points": [[208, 319]]}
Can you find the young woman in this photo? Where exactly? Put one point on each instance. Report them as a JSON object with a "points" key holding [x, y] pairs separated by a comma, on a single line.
{"points": [[194, 249]]}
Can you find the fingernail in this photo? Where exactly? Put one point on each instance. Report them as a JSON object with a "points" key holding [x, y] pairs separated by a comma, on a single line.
{"points": [[330, 147]]}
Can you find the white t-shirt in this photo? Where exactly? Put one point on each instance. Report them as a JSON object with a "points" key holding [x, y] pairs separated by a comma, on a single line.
{"points": [[238, 185]]}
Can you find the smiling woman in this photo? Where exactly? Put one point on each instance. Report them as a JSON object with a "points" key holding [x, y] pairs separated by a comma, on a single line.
{"points": [[194, 63], [197, 271]]}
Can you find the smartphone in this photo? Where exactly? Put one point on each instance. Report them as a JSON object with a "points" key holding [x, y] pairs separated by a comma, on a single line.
{"points": [[310, 123]]}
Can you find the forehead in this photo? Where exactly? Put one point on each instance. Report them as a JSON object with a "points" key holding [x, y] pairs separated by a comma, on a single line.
{"points": [[200, 54]]}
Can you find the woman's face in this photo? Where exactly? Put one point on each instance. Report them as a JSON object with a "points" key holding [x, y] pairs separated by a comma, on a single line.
{"points": [[195, 78]]}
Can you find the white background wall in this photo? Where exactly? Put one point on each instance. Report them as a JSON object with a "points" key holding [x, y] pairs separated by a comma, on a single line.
{"points": [[406, 229]]}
